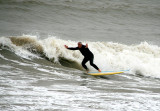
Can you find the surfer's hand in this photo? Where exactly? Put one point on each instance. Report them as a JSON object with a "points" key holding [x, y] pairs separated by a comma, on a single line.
{"points": [[86, 46], [66, 46]]}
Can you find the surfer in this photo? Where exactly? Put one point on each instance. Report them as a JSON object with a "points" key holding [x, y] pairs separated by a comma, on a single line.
{"points": [[88, 55]]}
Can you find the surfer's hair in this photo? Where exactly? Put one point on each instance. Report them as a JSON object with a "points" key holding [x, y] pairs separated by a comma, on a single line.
{"points": [[79, 42]]}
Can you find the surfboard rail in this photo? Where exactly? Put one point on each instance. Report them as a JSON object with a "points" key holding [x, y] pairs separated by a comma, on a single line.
{"points": [[106, 73]]}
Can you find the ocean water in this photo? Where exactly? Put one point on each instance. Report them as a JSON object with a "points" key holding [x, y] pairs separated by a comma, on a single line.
{"points": [[38, 74]]}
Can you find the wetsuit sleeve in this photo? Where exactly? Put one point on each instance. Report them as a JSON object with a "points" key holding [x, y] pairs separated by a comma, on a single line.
{"points": [[73, 48]]}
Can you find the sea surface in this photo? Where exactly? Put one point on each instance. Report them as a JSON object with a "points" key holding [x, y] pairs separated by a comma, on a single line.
{"points": [[37, 73]]}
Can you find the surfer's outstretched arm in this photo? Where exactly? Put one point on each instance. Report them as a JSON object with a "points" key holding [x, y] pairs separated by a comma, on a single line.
{"points": [[71, 48]]}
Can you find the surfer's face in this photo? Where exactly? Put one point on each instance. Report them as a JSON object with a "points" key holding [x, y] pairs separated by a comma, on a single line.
{"points": [[79, 44]]}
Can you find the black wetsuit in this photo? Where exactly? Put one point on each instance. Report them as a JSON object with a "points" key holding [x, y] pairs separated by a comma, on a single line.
{"points": [[88, 56]]}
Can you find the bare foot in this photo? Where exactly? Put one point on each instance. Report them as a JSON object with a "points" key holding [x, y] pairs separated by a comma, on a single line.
{"points": [[99, 70], [87, 70]]}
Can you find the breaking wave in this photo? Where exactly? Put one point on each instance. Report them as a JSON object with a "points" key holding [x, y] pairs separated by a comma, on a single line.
{"points": [[142, 59]]}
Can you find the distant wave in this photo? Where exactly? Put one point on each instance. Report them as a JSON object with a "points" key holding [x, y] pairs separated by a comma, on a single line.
{"points": [[92, 6], [142, 59]]}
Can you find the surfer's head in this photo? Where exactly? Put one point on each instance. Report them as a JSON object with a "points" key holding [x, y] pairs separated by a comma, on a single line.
{"points": [[79, 44]]}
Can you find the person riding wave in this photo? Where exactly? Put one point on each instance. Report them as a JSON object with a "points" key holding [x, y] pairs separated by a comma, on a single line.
{"points": [[88, 55]]}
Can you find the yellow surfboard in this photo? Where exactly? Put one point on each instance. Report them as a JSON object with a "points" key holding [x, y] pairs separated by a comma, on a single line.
{"points": [[106, 73]]}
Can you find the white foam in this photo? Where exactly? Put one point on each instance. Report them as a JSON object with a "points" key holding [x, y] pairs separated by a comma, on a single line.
{"points": [[54, 48], [19, 50]]}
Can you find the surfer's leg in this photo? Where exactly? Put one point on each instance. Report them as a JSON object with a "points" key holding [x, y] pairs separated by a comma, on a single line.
{"points": [[84, 63], [92, 64]]}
